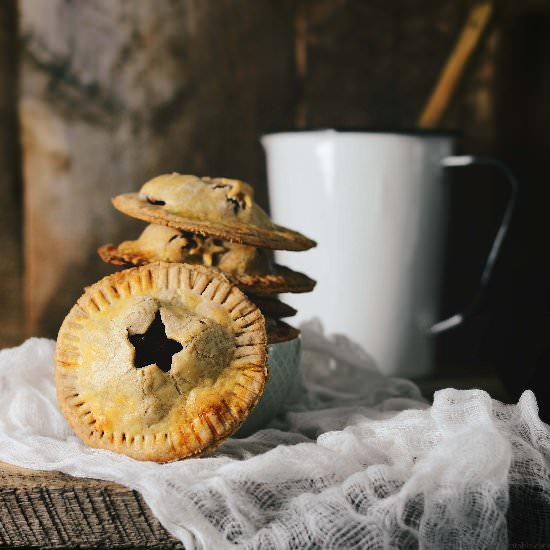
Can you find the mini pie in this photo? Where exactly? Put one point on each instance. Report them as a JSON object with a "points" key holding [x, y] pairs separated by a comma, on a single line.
{"points": [[279, 331], [218, 207], [160, 362], [271, 306], [248, 267]]}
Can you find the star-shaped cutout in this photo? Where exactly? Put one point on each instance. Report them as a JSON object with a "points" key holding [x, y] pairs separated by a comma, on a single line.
{"points": [[154, 347]]}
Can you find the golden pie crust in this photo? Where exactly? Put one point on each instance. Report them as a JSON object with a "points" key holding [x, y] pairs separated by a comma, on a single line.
{"points": [[212, 383], [216, 207], [247, 267]]}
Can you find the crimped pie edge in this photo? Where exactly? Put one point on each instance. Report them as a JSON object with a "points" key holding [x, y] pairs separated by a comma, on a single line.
{"points": [[210, 429]]}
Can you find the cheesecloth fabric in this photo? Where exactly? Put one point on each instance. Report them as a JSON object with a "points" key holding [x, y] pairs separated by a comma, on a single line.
{"points": [[359, 461]]}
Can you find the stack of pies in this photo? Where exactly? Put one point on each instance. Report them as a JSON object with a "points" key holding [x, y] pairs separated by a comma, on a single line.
{"points": [[214, 222], [166, 359]]}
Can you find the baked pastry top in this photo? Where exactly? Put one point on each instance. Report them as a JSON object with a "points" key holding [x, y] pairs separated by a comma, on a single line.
{"points": [[162, 243], [211, 199], [248, 267], [160, 362], [218, 207]]}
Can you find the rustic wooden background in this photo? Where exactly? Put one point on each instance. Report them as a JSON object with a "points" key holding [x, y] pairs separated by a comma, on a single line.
{"points": [[96, 96]]}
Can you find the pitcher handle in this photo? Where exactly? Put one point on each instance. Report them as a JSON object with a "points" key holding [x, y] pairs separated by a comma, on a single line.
{"points": [[469, 160]]}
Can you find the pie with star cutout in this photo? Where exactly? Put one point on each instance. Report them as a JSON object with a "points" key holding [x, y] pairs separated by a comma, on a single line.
{"points": [[160, 362]]}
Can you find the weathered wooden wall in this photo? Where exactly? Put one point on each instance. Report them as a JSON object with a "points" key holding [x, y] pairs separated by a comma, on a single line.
{"points": [[10, 188], [112, 93], [518, 340]]}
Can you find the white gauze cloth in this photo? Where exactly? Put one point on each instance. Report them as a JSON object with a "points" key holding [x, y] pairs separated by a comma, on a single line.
{"points": [[358, 461]]}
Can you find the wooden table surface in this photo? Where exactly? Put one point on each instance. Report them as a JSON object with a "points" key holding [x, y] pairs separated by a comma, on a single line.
{"points": [[54, 510]]}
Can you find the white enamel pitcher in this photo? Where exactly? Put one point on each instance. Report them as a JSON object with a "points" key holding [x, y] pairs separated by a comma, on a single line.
{"points": [[376, 203]]}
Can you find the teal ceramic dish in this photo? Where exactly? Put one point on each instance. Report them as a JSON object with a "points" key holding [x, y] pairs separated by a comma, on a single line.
{"points": [[283, 362]]}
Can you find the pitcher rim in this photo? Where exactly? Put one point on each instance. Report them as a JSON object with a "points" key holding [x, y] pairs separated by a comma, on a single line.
{"points": [[414, 132]]}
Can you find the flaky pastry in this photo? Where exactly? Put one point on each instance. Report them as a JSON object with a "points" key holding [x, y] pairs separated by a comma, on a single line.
{"points": [[160, 362], [218, 207], [248, 267]]}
